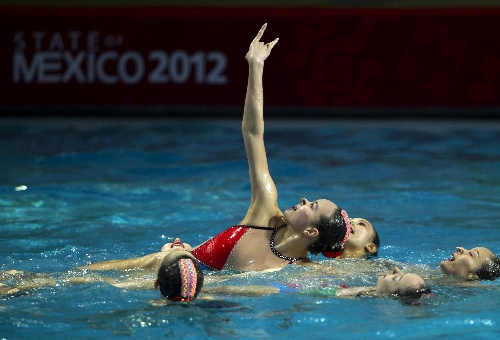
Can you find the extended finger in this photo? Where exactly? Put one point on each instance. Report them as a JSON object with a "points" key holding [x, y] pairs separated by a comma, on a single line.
{"points": [[271, 44], [261, 32]]}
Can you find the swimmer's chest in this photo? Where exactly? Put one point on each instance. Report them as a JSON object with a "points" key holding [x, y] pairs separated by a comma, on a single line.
{"points": [[252, 252]]}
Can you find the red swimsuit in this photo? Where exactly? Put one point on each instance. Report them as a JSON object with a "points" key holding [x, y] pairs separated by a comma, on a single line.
{"points": [[213, 253]]}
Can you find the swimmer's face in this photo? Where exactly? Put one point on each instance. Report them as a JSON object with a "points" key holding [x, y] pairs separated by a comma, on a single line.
{"points": [[466, 262], [397, 282], [308, 213], [361, 239]]}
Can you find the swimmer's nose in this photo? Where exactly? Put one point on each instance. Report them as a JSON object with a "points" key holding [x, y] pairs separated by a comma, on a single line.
{"points": [[303, 201], [460, 250]]}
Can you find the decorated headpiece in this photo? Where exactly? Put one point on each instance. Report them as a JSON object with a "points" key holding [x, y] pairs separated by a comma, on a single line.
{"points": [[189, 279], [333, 254]]}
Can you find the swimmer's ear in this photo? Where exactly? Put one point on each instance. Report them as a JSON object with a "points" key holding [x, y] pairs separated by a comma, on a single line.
{"points": [[371, 248], [157, 283], [311, 231]]}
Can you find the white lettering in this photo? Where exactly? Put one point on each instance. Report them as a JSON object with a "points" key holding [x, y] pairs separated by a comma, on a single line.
{"points": [[74, 36], [101, 72], [73, 56], [49, 65], [74, 64], [56, 42], [19, 41], [138, 62], [38, 36], [93, 41], [21, 69], [179, 66], [199, 64], [91, 68], [158, 74], [216, 76]]}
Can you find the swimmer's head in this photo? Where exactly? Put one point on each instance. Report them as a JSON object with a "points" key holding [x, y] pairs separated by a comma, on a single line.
{"points": [[180, 277], [334, 230], [409, 286], [472, 264], [363, 241], [322, 221]]}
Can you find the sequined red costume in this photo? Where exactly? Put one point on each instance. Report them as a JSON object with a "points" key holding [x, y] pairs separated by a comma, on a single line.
{"points": [[213, 253]]}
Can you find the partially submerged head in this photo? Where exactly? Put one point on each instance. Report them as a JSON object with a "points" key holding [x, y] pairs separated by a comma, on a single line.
{"points": [[404, 285], [363, 241], [180, 277], [336, 235], [478, 263]]}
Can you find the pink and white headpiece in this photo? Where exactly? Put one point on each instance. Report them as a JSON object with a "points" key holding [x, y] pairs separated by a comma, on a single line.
{"points": [[333, 254]]}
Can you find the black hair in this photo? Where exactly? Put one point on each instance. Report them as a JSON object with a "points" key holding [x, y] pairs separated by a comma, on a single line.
{"points": [[376, 241], [412, 297], [490, 270], [170, 278], [332, 230]]}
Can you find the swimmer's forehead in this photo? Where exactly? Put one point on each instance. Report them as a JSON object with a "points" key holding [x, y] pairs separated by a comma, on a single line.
{"points": [[176, 253]]}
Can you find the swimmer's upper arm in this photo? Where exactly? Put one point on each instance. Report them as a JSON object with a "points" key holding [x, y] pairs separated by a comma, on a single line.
{"points": [[264, 196]]}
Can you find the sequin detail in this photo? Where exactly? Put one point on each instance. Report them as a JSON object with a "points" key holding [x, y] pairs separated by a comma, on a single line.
{"points": [[214, 253], [189, 278]]}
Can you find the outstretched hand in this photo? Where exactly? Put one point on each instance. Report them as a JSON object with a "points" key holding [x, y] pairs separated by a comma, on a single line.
{"points": [[259, 51]]}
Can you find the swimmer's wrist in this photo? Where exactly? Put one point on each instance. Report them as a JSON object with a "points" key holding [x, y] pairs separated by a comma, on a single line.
{"points": [[255, 64]]}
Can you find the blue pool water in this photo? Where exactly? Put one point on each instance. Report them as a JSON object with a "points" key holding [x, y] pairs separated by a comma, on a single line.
{"points": [[109, 189]]}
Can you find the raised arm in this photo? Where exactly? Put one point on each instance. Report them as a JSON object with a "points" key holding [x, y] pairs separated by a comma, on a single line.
{"points": [[264, 201]]}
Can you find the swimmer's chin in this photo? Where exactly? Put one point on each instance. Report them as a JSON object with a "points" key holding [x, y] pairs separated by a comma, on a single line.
{"points": [[444, 265]]}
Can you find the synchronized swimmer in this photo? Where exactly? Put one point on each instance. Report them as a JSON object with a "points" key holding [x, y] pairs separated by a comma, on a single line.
{"points": [[266, 237]]}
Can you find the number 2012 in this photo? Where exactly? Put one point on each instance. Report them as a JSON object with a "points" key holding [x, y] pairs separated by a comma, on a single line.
{"points": [[178, 67]]}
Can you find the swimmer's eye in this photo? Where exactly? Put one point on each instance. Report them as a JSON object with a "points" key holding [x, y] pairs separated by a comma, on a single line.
{"points": [[474, 254]]}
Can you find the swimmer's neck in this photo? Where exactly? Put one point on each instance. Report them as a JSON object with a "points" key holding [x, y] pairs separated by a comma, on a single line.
{"points": [[289, 243]]}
